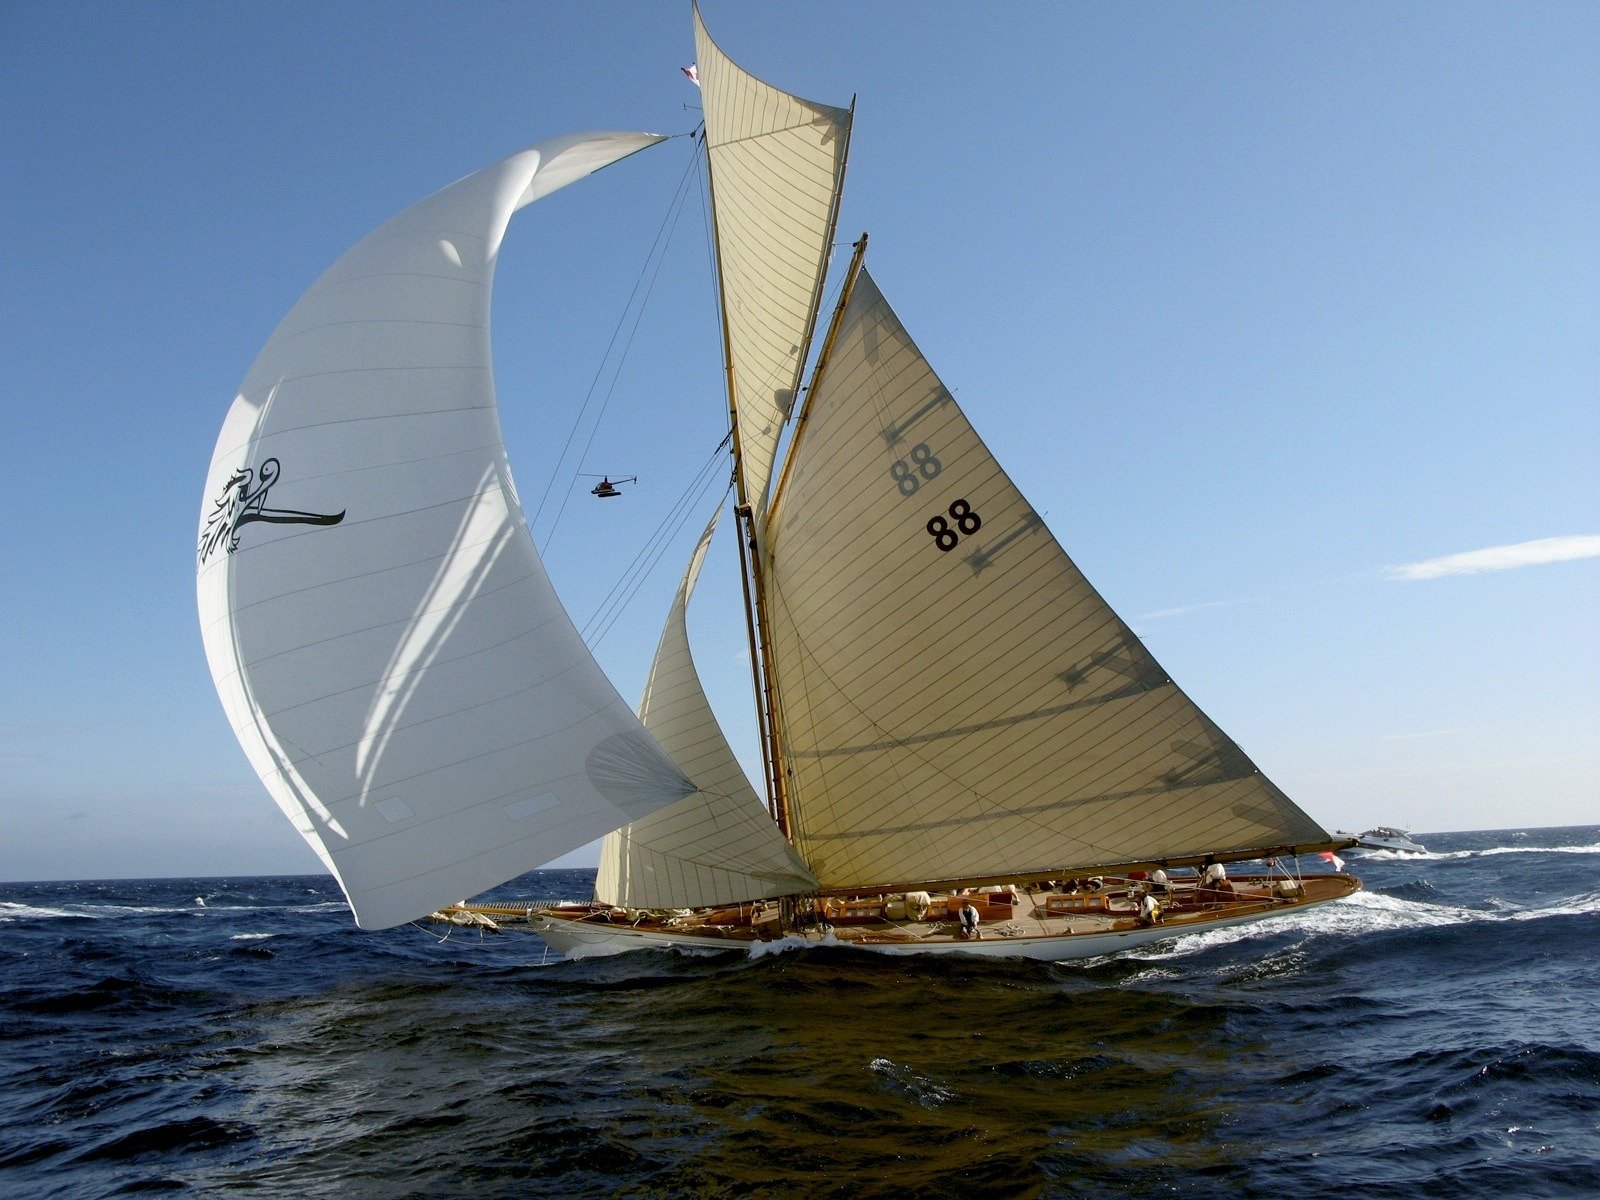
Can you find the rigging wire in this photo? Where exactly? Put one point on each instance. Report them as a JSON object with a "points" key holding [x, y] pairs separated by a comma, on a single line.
{"points": [[648, 275], [655, 547], [645, 561]]}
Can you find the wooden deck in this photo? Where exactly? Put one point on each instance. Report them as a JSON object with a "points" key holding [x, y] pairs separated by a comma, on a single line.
{"points": [[1026, 916]]}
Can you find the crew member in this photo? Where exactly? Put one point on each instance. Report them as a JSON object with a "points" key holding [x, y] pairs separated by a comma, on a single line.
{"points": [[969, 922], [1215, 884]]}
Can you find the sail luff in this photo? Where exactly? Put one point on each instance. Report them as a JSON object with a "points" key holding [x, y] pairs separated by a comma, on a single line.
{"points": [[771, 711], [816, 292], [817, 373]]}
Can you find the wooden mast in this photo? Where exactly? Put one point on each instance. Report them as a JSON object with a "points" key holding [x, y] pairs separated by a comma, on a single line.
{"points": [[777, 778], [750, 557]]}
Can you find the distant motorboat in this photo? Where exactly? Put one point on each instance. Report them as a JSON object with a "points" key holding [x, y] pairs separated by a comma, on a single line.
{"points": [[1385, 837]]}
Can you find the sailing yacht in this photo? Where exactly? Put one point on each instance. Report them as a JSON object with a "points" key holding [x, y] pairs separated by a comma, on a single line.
{"points": [[965, 750]]}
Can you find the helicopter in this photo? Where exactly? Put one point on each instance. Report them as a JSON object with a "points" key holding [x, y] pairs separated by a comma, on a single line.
{"points": [[607, 487]]}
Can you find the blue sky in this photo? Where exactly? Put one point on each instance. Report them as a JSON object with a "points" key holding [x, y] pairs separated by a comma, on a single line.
{"points": [[1261, 305]]}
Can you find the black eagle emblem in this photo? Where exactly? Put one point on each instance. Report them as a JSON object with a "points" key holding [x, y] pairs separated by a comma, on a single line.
{"points": [[243, 500]]}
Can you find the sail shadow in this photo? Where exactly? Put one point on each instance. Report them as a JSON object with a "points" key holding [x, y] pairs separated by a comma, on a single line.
{"points": [[486, 529]]}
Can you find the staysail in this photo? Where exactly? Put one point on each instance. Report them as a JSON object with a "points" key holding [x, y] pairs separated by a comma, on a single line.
{"points": [[957, 701], [383, 636], [777, 167], [718, 846]]}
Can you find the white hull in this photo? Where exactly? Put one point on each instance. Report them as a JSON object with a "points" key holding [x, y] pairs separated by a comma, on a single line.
{"points": [[584, 940], [1397, 840]]}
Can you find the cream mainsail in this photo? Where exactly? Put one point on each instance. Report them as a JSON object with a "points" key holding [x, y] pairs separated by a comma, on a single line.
{"points": [[718, 846], [777, 166], [381, 632], [957, 701]]}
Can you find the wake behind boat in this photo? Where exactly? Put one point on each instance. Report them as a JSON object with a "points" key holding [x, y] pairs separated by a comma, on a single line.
{"points": [[953, 723]]}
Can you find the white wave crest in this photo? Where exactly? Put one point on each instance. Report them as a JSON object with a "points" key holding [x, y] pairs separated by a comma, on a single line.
{"points": [[1449, 855], [790, 942], [1574, 906], [920, 1088], [11, 910], [1370, 912]]}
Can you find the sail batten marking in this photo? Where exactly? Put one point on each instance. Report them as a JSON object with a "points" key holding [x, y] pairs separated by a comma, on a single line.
{"points": [[967, 730], [1130, 661], [748, 138], [895, 433], [984, 555]]}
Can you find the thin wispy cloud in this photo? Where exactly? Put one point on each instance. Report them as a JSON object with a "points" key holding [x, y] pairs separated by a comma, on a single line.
{"points": [[1185, 609], [1501, 558]]}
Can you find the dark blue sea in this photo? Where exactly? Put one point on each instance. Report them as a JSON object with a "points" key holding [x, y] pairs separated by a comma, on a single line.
{"points": [[1437, 1035]]}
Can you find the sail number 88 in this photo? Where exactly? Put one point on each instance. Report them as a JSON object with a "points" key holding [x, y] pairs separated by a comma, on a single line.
{"points": [[966, 521], [924, 464]]}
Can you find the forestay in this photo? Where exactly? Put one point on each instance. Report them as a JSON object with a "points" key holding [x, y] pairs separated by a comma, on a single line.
{"points": [[957, 701], [777, 167], [718, 846], [382, 634]]}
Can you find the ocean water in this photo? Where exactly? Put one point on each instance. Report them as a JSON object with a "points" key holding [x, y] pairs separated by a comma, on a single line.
{"points": [[1438, 1035]]}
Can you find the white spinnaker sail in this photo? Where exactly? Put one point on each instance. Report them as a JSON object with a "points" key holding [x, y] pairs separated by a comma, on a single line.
{"points": [[957, 700], [383, 636], [718, 846], [777, 167]]}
